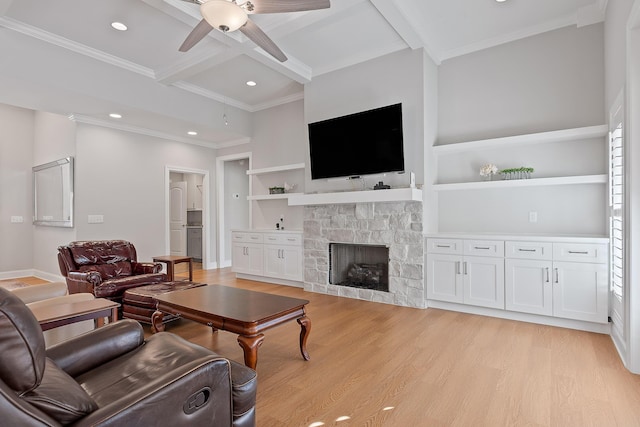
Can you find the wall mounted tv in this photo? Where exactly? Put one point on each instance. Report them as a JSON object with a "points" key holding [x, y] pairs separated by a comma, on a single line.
{"points": [[364, 143]]}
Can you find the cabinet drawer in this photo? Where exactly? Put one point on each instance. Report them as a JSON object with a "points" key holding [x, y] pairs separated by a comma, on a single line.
{"points": [[444, 246], [493, 248], [283, 239], [580, 252], [529, 250], [242, 237]]}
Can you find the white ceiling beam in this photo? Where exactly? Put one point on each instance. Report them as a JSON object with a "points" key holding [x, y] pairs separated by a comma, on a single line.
{"points": [[194, 64], [397, 19]]}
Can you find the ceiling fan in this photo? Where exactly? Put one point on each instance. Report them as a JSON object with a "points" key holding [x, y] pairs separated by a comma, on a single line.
{"points": [[228, 16]]}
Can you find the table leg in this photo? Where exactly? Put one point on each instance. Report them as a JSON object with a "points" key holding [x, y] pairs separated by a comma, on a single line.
{"points": [[190, 270], [305, 329], [250, 348], [170, 271], [156, 322]]}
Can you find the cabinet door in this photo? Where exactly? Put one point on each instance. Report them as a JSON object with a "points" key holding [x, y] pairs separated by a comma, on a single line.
{"points": [[580, 291], [239, 258], [283, 262], [484, 281], [528, 286], [247, 258], [273, 263], [292, 257], [444, 277]]}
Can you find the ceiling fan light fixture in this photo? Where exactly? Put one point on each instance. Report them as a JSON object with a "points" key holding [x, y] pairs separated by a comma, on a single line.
{"points": [[223, 15]]}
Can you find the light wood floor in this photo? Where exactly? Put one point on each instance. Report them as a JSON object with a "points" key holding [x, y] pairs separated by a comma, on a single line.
{"points": [[382, 365]]}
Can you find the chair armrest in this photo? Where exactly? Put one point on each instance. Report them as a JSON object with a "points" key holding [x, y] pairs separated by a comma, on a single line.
{"points": [[92, 277], [95, 348], [146, 267], [202, 385], [41, 292]]}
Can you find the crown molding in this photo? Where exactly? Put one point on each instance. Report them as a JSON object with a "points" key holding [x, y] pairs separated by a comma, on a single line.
{"points": [[80, 118], [73, 46], [280, 101], [198, 90]]}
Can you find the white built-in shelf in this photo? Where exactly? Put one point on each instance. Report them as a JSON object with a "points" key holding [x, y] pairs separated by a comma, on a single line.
{"points": [[368, 196], [273, 196], [282, 168], [527, 139], [512, 183]]}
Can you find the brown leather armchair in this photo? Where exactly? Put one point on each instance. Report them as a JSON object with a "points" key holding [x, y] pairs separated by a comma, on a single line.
{"points": [[113, 377], [105, 268]]}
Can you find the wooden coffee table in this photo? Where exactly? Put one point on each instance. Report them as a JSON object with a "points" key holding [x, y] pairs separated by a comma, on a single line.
{"points": [[243, 312]]}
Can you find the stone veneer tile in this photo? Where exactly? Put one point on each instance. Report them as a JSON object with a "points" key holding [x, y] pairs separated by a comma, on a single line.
{"points": [[397, 225]]}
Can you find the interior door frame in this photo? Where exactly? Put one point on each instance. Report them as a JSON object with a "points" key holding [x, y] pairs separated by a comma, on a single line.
{"points": [[207, 264], [220, 198]]}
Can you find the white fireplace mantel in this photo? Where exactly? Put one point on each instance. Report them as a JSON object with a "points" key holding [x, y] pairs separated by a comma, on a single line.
{"points": [[368, 196]]}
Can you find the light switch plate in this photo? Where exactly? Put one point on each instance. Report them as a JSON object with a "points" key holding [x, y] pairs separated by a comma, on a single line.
{"points": [[95, 219], [16, 219]]}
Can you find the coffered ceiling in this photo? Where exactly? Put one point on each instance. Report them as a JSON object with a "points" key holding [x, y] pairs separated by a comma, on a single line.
{"points": [[63, 56]]}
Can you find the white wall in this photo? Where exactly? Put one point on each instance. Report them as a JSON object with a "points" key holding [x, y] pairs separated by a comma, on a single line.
{"points": [[615, 34], [279, 139], [54, 139], [236, 210], [121, 176], [391, 79], [547, 82], [16, 191]]}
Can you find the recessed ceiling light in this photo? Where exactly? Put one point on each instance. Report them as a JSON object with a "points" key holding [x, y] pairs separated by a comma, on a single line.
{"points": [[501, 1], [192, 133], [119, 26], [251, 83], [115, 116]]}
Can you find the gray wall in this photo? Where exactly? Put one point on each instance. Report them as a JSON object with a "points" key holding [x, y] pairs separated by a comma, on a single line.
{"points": [[615, 34], [391, 79], [16, 192], [236, 210], [547, 82], [121, 175], [54, 139]]}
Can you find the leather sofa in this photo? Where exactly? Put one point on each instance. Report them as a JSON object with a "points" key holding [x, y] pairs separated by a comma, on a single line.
{"points": [[112, 376], [105, 268]]}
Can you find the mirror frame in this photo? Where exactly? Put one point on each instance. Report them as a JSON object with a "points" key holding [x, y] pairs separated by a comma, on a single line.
{"points": [[65, 192]]}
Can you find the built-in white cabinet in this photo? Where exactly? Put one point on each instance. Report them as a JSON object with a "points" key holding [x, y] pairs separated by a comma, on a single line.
{"points": [[567, 280], [467, 279], [283, 256], [247, 253], [562, 279], [268, 254]]}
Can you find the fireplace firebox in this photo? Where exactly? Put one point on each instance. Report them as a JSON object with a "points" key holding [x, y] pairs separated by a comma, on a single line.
{"points": [[359, 266]]}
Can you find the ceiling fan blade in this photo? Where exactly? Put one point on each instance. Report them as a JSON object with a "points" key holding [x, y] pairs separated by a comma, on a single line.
{"points": [[202, 29], [280, 6], [256, 35]]}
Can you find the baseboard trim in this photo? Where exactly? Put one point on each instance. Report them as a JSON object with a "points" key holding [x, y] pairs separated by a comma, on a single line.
{"points": [[5, 275], [600, 328], [270, 280]]}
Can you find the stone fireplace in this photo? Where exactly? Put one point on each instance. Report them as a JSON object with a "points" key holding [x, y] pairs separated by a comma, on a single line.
{"points": [[396, 226]]}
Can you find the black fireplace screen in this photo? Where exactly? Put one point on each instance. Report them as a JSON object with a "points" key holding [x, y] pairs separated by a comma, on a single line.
{"points": [[359, 266]]}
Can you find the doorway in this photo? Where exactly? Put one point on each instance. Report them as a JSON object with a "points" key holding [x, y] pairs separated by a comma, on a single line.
{"points": [[186, 213], [234, 210]]}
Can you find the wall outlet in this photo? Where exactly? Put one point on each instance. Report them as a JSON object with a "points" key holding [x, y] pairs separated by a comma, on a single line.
{"points": [[16, 219], [533, 216], [95, 219]]}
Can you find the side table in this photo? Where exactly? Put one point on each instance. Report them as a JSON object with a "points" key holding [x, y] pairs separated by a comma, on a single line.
{"points": [[63, 314], [171, 261]]}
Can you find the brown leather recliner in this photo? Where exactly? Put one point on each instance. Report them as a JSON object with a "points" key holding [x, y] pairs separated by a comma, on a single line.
{"points": [[105, 268], [113, 377]]}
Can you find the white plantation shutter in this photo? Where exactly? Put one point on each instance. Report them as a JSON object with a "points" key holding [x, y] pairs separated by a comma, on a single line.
{"points": [[616, 204]]}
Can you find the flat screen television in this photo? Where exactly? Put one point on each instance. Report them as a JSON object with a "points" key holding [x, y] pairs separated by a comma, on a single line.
{"points": [[365, 143]]}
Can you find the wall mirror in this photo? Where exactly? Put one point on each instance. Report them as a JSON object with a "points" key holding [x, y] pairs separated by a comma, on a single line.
{"points": [[53, 193]]}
